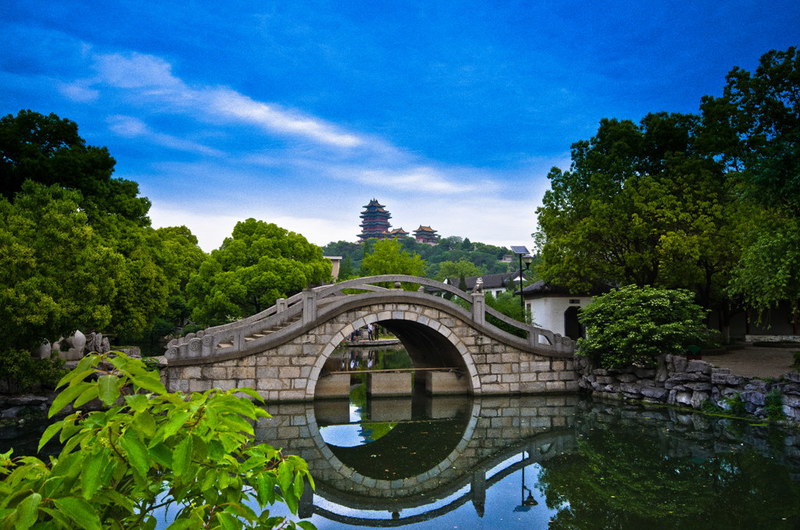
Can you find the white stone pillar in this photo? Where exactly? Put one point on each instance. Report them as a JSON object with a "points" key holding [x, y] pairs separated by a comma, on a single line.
{"points": [[280, 305], [479, 308]]}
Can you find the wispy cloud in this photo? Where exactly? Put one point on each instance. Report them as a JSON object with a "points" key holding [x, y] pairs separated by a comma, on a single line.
{"points": [[136, 70], [152, 80], [229, 103], [79, 91], [131, 127], [454, 199], [341, 154]]}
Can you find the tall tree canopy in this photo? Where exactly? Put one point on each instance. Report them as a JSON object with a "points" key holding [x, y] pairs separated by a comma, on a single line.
{"points": [[258, 264], [49, 150], [640, 205], [77, 248], [754, 127], [56, 274]]}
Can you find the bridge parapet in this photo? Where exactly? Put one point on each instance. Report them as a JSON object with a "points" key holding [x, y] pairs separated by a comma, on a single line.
{"points": [[300, 313]]}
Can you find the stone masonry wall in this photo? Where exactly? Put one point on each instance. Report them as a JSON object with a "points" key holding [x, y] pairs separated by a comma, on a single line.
{"points": [[691, 383]]}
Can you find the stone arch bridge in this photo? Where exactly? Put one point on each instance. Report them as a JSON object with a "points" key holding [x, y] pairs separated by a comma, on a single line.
{"points": [[282, 351]]}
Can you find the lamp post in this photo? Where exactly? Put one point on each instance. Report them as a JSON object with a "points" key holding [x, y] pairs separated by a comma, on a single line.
{"points": [[526, 503], [525, 256]]}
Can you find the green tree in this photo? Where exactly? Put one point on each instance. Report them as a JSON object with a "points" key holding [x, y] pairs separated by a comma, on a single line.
{"points": [[632, 326], [388, 257], [642, 205], [769, 270], [49, 150], [179, 256], [56, 274], [351, 254], [456, 269], [754, 127], [258, 264], [94, 240], [148, 449]]}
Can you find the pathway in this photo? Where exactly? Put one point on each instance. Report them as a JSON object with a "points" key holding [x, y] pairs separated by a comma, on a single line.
{"points": [[756, 361]]}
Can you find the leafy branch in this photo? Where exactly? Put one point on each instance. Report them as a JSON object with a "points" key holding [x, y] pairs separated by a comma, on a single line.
{"points": [[147, 449]]}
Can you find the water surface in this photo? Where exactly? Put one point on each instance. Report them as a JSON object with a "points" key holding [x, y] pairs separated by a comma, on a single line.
{"points": [[537, 462]]}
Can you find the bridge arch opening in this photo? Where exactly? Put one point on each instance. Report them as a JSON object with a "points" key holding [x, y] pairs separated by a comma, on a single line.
{"points": [[437, 353], [426, 347]]}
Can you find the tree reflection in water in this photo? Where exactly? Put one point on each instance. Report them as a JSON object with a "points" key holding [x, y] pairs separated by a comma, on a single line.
{"points": [[643, 469]]}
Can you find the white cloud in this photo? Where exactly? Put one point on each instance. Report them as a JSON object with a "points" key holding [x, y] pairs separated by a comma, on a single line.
{"points": [[480, 217], [333, 169], [231, 104], [422, 178], [211, 229]]}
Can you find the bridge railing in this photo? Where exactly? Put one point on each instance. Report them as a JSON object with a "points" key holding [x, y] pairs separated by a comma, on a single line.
{"points": [[233, 335], [304, 308], [474, 303]]}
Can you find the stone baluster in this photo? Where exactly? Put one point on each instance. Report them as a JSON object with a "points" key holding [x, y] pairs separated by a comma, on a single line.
{"points": [[479, 308], [309, 306]]}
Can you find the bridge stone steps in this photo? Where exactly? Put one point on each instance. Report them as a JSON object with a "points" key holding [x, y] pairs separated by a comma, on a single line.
{"points": [[262, 333]]}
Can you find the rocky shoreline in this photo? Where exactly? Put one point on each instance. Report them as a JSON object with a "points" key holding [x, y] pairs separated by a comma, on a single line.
{"points": [[697, 384]]}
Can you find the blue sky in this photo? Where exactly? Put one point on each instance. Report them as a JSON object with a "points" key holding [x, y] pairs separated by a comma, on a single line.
{"points": [[298, 113]]}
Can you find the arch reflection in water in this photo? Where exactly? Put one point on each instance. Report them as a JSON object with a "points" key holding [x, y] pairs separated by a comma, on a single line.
{"points": [[534, 462], [392, 439], [434, 455]]}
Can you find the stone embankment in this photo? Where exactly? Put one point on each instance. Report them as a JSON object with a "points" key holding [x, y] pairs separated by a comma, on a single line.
{"points": [[695, 383]]}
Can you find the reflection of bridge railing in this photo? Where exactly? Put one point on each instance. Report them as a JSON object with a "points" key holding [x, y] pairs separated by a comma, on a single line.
{"points": [[300, 313]]}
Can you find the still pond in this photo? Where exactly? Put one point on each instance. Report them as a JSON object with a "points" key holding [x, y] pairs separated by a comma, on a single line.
{"points": [[532, 462]]}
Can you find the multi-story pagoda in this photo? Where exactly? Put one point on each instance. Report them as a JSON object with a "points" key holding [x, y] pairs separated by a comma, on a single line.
{"points": [[427, 235], [374, 221]]}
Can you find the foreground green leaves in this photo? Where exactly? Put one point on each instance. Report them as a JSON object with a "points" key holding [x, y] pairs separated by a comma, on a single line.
{"points": [[145, 450]]}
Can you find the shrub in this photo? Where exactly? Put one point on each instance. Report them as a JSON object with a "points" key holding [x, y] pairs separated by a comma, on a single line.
{"points": [[22, 373], [632, 326], [145, 450], [735, 405], [773, 404]]}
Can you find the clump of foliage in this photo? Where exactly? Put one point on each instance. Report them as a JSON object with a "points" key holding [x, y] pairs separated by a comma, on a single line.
{"points": [[735, 405], [450, 257], [389, 257], [23, 373], [796, 363], [632, 326], [146, 450], [773, 404], [509, 305]]}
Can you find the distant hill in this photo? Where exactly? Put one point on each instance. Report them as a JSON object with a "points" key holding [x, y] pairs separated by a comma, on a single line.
{"points": [[487, 258]]}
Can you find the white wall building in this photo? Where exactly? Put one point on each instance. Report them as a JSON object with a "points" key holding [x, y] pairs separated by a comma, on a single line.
{"points": [[554, 308]]}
